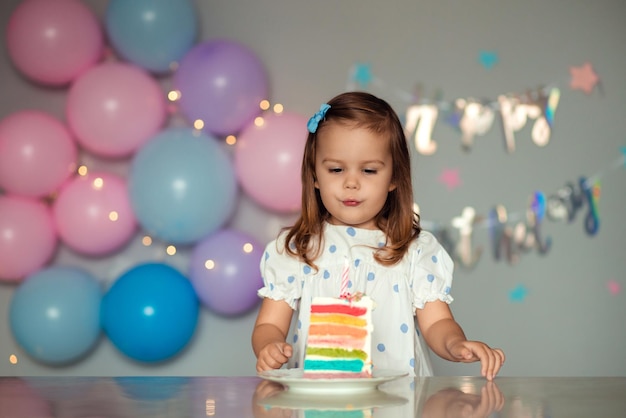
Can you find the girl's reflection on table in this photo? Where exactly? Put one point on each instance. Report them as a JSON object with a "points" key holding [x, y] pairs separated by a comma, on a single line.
{"points": [[406, 397]]}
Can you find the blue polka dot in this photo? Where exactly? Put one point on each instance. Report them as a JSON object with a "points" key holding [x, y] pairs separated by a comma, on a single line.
{"points": [[381, 244], [419, 251], [292, 245], [370, 276], [271, 286], [380, 347], [430, 278], [295, 338], [404, 328], [267, 255], [306, 269], [412, 362], [290, 279], [396, 288], [357, 262], [446, 290], [332, 248], [299, 324], [350, 231], [326, 274], [434, 258], [349, 284]]}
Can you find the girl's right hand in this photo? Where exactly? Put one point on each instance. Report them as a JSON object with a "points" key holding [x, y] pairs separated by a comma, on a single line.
{"points": [[273, 356]]}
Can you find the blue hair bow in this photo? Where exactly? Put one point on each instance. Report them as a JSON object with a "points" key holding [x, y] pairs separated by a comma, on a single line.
{"points": [[317, 118]]}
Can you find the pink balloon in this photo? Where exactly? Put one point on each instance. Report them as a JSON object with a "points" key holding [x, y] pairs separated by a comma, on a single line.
{"points": [[268, 161], [93, 215], [27, 236], [114, 108], [52, 42], [37, 153]]}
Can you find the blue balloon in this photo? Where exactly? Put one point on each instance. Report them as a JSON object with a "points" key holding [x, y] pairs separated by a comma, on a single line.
{"points": [[182, 186], [150, 313], [152, 34], [153, 388], [55, 314]]}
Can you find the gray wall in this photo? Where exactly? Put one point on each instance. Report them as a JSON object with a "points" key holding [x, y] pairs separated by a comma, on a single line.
{"points": [[569, 323]]}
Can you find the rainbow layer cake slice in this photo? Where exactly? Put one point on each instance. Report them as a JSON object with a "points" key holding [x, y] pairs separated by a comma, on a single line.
{"points": [[340, 338]]}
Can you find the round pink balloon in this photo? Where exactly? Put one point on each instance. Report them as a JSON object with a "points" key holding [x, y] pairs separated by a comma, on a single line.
{"points": [[268, 161], [37, 153], [93, 215], [27, 236], [114, 108], [52, 42]]}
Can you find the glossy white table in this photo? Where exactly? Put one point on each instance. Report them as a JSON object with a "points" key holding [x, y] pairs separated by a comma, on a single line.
{"points": [[243, 397]]}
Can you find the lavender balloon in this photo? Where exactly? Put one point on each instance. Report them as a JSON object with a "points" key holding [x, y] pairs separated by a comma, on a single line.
{"points": [[225, 272], [222, 83]]}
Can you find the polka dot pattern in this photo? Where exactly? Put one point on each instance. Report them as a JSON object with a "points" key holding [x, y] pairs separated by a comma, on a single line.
{"points": [[422, 276]]}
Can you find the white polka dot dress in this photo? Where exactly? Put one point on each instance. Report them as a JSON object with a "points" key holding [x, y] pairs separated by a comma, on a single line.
{"points": [[423, 275]]}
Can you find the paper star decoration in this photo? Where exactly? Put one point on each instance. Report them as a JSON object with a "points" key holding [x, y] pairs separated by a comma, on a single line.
{"points": [[583, 78], [614, 287], [518, 294], [488, 59], [362, 74], [450, 177]]}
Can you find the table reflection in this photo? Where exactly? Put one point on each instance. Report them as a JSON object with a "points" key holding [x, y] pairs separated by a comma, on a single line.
{"points": [[404, 398], [241, 397]]}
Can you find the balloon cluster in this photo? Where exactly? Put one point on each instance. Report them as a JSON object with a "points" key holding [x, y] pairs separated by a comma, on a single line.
{"points": [[182, 185]]}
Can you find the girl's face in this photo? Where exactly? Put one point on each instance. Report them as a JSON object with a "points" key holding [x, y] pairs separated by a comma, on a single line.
{"points": [[353, 169]]}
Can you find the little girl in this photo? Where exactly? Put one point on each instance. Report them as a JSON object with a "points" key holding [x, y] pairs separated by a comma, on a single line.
{"points": [[357, 205]]}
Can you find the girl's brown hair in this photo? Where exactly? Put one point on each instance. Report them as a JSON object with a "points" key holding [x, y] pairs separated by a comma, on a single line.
{"points": [[397, 219]]}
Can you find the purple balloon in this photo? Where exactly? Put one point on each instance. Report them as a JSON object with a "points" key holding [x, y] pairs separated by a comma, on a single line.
{"points": [[225, 272], [222, 83]]}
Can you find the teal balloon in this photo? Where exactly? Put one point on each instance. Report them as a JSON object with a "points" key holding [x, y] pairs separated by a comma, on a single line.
{"points": [[152, 34], [55, 314], [150, 312], [182, 186]]}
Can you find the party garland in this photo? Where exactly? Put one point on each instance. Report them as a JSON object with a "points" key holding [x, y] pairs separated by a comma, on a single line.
{"points": [[474, 117], [510, 234]]}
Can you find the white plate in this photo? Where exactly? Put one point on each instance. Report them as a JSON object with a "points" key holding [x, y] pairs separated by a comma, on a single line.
{"points": [[293, 380], [355, 401]]}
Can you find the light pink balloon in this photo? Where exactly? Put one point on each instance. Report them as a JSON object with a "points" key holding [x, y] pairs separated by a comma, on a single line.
{"points": [[27, 236], [268, 161], [52, 42], [37, 153], [114, 108], [93, 215]]}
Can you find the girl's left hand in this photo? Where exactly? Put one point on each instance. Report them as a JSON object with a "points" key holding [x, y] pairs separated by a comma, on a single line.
{"points": [[491, 359]]}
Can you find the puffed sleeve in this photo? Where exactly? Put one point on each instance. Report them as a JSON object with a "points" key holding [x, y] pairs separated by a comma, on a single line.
{"points": [[279, 270], [430, 271]]}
